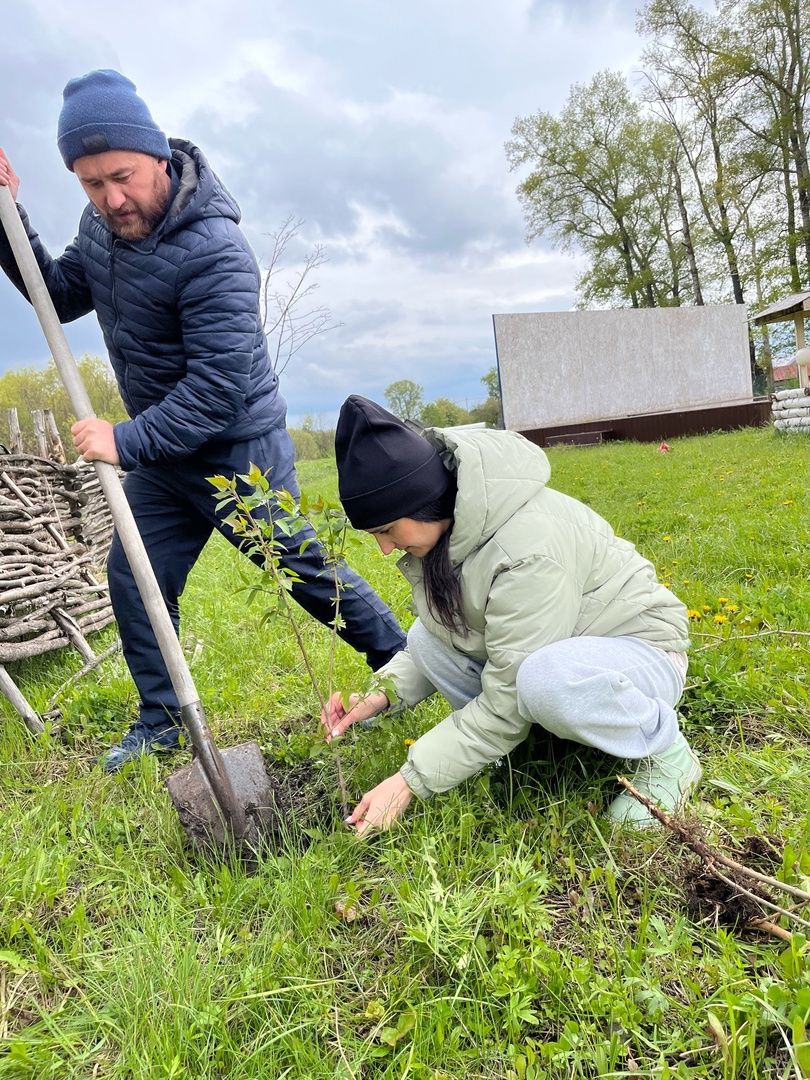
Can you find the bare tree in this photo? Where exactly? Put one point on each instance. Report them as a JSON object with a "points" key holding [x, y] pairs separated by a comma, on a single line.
{"points": [[289, 316]]}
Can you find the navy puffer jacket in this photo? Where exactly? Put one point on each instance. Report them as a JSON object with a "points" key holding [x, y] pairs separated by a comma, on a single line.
{"points": [[179, 312]]}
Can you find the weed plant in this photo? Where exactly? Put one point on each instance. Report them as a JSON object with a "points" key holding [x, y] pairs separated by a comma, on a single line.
{"points": [[503, 931]]}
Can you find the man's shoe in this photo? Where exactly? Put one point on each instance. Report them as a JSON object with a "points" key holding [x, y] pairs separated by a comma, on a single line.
{"points": [[140, 739], [666, 779]]}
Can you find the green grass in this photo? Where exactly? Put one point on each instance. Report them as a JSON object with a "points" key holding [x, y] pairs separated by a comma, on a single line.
{"points": [[502, 931]]}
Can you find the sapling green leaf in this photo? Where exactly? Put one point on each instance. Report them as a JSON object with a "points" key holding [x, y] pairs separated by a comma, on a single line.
{"points": [[260, 514]]}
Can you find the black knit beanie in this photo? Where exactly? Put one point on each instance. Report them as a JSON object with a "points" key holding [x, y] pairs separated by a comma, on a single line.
{"points": [[385, 470]]}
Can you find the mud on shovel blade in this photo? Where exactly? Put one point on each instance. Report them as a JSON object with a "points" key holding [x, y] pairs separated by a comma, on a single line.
{"points": [[220, 796]]}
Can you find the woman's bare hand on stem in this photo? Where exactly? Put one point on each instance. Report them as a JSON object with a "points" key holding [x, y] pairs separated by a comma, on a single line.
{"points": [[336, 718]]}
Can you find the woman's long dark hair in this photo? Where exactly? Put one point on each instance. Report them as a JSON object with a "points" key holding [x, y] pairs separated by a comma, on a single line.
{"points": [[442, 584]]}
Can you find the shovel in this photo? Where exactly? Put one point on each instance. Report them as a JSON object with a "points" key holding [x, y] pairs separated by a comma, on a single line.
{"points": [[221, 797]]}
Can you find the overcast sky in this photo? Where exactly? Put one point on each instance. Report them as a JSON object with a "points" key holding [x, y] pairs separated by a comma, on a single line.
{"points": [[381, 125]]}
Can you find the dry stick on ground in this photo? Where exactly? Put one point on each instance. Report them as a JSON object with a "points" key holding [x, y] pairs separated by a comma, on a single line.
{"points": [[712, 857], [88, 667], [771, 928], [717, 639]]}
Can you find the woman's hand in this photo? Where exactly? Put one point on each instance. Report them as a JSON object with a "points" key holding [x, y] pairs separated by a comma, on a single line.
{"points": [[336, 719], [380, 807]]}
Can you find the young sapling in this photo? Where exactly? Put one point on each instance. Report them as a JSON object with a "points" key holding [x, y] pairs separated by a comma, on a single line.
{"points": [[262, 516]]}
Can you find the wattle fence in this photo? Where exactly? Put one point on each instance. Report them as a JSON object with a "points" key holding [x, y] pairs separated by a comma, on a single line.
{"points": [[55, 532]]}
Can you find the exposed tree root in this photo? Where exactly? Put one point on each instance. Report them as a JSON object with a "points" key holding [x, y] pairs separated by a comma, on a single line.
{"points": [[741, 903]]}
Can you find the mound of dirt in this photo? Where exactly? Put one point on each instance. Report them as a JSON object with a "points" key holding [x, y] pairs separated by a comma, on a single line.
{"points": [[708, 899]]}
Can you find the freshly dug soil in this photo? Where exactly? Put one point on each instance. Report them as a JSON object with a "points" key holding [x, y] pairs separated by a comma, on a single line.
{"points": [[708, 899], [283, 804], [301, 803]]}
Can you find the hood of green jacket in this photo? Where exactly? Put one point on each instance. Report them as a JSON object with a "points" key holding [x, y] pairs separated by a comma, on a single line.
{"points": [[496, 478]]}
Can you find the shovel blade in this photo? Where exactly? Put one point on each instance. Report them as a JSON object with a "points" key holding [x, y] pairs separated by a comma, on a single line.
{"points": [[199, 811]]}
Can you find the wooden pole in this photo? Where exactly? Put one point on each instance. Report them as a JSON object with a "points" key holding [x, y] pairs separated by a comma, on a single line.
{"points": [[38, 420], [56, 450], [15, 442], [9, 688], [802, 369]]}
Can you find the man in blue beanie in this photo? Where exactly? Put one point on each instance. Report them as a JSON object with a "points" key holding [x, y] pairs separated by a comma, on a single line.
{"points": [[161, 259]]}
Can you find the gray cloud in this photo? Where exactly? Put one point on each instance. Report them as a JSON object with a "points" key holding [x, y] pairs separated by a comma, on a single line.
{"points": [[382, 126]]}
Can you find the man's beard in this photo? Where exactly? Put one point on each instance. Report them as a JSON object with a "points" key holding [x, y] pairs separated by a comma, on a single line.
{"points": [[140, 220]]}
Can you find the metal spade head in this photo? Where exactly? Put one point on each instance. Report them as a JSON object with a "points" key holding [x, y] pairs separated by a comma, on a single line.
{"points": [[199, 812]]}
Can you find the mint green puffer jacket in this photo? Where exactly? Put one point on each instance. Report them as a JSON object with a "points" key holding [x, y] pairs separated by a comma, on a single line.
{"points": [[536, 566]]}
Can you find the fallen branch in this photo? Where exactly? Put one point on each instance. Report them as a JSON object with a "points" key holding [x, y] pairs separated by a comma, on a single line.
{"points": [[94, 663], [712, 857], [769, 927], [720, 639]]}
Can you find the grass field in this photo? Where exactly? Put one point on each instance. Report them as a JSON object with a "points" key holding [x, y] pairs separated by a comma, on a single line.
{"points": [[503, 931]]}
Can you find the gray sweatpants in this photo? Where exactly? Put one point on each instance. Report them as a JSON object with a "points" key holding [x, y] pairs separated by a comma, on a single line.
{"points": [[616, 694]]}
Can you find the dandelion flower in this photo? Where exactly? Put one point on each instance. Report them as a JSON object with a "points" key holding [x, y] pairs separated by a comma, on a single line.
{"points": [[731, 608], [722, 599], [693, 614], [720, 618], [409, 742], [666, 538]]}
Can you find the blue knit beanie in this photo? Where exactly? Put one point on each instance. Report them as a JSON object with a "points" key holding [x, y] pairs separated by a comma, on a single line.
{"points": [[101, 111]]}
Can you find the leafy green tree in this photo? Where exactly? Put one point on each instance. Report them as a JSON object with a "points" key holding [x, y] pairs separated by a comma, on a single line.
{"points": [[693, 88], [599, 181], [41, 388], [489, 412], [444, 413], [766, 44], [304, 444], [492, 384], [404, 398]]}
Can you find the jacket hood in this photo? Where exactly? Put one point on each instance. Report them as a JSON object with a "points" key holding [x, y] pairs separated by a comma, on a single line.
{"points": [[497, 472], [200, 193]]}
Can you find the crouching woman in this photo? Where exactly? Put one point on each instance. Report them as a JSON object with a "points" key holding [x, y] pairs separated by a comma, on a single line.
{"points": [[530, 610]]}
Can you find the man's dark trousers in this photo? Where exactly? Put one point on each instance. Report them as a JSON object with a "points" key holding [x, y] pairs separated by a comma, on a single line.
{"points": [[176, 512]]}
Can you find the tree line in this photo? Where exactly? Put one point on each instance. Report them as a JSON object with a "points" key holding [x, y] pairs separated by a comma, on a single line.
{"points": [[29, 388], [405, 398], [690, 184], [41, 388]]}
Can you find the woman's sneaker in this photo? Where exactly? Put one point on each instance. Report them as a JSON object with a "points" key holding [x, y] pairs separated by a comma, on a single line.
{"points": [[140, 739], [666, 779]]}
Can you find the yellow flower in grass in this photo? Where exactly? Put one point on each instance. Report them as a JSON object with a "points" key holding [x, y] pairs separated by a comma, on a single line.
{"points": [[720, 618], [694, 614], [666, 538], [732, 608], [722, 599], [409, 742], [706, 609]]}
